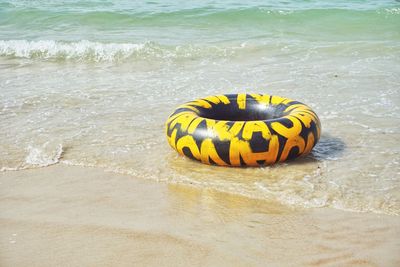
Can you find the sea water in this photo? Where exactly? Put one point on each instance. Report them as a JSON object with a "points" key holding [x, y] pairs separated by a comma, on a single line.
{"points": [[91, 83]]}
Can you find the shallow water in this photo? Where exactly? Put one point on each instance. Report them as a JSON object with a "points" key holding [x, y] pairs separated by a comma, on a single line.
{"points": [[92, 83]]}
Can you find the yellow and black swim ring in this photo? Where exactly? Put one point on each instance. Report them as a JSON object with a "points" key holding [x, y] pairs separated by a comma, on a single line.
{"points": [[243, 129]]}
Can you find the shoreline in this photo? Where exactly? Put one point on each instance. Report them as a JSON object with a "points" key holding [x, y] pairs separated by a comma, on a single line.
{"points": [[78, 216]]}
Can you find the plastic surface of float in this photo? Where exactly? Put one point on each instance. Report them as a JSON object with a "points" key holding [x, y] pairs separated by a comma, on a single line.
{"points": [[243, 129]]}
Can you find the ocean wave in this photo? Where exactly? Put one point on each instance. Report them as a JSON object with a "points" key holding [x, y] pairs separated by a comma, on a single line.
{"points": [[203, 12], [84, 50], [29, 18], [96, 51], [91, 51]]}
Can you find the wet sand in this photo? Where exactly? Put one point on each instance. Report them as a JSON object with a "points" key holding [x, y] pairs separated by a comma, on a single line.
{"points": [[73, 216]]}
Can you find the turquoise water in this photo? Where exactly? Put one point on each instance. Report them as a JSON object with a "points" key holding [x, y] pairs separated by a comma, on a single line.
{"points": [[167, 25], [91, 83]]}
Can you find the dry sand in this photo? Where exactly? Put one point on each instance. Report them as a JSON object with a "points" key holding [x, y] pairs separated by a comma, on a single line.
{"points": [[73, 216]]}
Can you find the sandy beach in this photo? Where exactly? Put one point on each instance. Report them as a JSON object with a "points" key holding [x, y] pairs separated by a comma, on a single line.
{"points": [[73, 216]]}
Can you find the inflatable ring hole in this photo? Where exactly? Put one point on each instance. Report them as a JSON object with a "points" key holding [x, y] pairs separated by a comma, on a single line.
{"points": [[254, 112]]}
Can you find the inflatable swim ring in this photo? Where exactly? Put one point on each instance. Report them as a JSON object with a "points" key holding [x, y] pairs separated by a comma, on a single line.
{"points": [[243, 129]]}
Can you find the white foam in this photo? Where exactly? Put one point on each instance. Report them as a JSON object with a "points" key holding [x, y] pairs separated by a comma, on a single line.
{"points": [[6, 169], [394, 10], [84, 50], [43, 156]]}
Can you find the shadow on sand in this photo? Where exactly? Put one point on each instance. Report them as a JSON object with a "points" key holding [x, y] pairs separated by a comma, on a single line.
{"points": [[328, 148]]}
